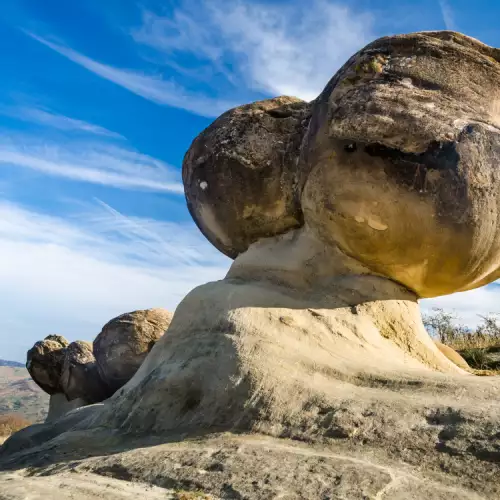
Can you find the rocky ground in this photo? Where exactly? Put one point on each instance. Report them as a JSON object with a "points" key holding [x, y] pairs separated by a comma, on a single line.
{"points": [[232, 466]]}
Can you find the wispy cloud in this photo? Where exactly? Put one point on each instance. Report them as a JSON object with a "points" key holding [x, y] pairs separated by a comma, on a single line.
{"points": [[49, 119], [161, 242], [97, 163], [151, 87], [289, 49], [447, 13], [257, 49], [70, 276]]}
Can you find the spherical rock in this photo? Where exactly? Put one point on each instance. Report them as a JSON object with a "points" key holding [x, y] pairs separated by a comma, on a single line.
{"points": [[80, 377], [240, 175], [124, 343], [402, 155], [45, 361], [395, 164]]}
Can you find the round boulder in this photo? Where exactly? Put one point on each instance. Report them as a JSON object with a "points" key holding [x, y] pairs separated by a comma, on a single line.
{"points": [[124, 343], [45, 362], [80, 377], [240, 174], [402, 156]]}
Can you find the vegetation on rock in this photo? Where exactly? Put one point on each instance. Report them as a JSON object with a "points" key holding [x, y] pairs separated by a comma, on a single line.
{"points": [[479, 346]]}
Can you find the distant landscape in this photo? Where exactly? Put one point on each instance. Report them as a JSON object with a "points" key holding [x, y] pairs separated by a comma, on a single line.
{"points": [[19, 394]]}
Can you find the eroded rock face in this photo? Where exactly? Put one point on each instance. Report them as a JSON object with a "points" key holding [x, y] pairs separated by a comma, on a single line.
{"points": [[124, 343], [403, 151], [59, 406], [45, 361], [80, 377], [241, 176]]}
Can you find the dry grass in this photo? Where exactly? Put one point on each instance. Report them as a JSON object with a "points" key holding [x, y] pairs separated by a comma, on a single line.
{"points": [[11, 423], [192, 495], [474, 341]]}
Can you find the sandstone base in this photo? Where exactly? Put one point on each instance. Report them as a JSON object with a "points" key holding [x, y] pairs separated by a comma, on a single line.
{"points": [[262, 392], [59, 406]]}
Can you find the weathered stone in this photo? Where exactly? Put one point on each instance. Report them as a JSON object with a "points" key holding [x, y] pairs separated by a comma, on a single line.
{"points": [[44, 362], [452, 355], [80, 377], [59, 406], [241, 176], [124, 343]]}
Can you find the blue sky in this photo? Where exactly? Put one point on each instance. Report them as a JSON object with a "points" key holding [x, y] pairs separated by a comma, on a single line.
{"points": [[99, 100]]}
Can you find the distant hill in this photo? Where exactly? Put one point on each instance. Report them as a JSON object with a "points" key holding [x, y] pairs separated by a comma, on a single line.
{"points": [[11, 364], [19, 394]]}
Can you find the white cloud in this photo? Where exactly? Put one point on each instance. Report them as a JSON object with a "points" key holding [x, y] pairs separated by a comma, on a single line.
{"points": [[47, 118], [151, 87], [70, 277], [291, 49], [97, 163], [447, 13]]}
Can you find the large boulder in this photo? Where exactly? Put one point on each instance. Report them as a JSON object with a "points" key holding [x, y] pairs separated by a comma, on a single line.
{"points": [[247, 160], [403, 151], [45, 362], [80, 377], [124, 343]]}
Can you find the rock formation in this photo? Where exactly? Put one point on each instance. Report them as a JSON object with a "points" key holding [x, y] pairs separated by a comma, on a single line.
{"points": [[80, 377], [59, 405], [124, 343], [452, 355], [313, 343], [45, 362], [247, 160], [71, 374]]}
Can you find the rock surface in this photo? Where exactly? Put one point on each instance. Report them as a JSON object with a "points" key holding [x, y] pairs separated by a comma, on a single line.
{"points": [[307, 371], [452, 355], [45, 361], [247, 160], [79, 487], [124, 343], [80, 377], [59, 405], [402, 149]]}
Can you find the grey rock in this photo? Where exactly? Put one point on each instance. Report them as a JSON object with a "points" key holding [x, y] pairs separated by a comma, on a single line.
{"points": [[80, 377], [241, 176], [124, 343], [44, 362], [59, 405]]}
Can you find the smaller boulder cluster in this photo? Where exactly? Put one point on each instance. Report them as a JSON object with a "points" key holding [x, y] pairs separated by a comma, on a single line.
{"points": [[92, 372]]}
